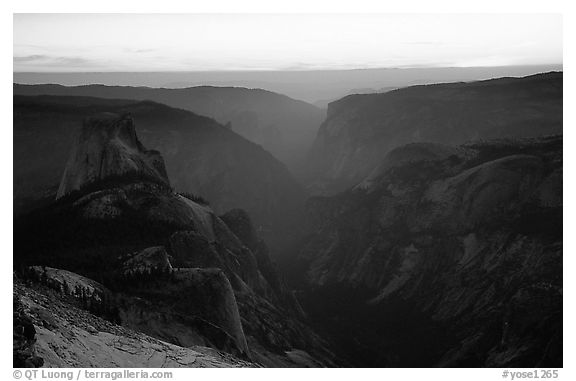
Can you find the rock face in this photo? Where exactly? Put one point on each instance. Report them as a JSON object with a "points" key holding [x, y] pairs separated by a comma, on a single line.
{"points": [[361, 129], [24, 338], [148, 260], [108, 147], [462, 241], [192, 307], [241, 225]]}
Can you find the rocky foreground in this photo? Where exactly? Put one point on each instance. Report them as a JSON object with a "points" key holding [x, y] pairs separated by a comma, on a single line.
{"points": [[67, 336]]}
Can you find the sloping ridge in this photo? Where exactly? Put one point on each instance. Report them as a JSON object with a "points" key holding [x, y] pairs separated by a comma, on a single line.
{"points": [[361, 129], [284, 126]]}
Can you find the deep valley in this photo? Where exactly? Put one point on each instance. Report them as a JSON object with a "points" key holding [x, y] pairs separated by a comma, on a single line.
{"points": [[234, 227]]}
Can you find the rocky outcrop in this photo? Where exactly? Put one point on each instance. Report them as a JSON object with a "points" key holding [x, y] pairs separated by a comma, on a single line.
{"points": [[241, 225], [188, 307], [239, 222], [148, 260], [465, 241], [210, 243], [108, 147], [471, 198], [69, 337], [191, 307], [360, 130], [24, 338], [67, 282]]}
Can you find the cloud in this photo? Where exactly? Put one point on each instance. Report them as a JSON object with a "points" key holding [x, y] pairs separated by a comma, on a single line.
{"points": [[54, 61], [423, 43], [144, 50], [139, 50], [31, 58]]}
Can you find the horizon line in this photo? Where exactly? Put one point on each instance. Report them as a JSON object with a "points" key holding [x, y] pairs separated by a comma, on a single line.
{"points": [[286, 70]]}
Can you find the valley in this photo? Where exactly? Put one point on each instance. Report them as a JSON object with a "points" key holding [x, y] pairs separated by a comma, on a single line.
{"points": [[233, 227]]}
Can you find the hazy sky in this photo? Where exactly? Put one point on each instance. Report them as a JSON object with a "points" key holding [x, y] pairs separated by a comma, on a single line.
{"points": [[130, 42]]}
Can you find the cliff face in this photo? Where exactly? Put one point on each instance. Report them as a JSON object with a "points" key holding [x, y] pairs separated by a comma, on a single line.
{"points": [[173, 269], [466, 241], [191, 307], [361, 129], [108, 147]]}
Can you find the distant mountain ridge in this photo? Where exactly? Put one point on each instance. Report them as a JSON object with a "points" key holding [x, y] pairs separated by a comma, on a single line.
{"points": [[308, 85], [284, 126], [361, 129]]}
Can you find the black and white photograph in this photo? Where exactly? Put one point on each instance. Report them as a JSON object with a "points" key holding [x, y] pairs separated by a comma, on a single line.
{"points": [[286, 190]]}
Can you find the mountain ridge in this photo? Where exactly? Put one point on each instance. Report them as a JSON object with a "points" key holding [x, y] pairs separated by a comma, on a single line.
{"points": [[284, 126], [360, 129]]}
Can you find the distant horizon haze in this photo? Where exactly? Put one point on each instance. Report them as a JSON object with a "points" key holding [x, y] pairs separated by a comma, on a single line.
{"points": [[312, 57], [314, 86]]}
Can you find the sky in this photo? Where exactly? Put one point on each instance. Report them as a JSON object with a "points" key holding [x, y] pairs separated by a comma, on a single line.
{"points": [[212, 42]]}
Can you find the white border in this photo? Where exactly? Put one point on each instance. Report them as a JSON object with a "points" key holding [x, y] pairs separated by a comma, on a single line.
{"points": [[299, 6]]}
